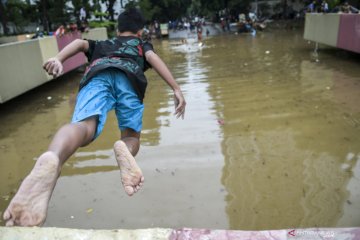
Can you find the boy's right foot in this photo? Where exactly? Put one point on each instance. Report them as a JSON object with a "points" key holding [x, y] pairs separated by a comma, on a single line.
{"points": [[131, 175], [29, 206]]}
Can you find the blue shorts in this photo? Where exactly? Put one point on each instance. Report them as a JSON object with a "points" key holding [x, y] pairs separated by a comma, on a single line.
{"points": [[109, 89]]}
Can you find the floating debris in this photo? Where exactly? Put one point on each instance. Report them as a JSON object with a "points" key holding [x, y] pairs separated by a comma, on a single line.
{"points": [[345, 167], [72, 217], [350, 156], [221, 121], [49, 98], [267, 52], [89, 210], [6, 197]]}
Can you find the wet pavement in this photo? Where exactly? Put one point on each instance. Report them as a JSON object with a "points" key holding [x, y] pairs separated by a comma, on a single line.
{"points": [[270, 141]]}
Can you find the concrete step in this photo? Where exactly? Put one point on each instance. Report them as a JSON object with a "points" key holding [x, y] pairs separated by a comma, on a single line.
{"points": [[35, 233]]}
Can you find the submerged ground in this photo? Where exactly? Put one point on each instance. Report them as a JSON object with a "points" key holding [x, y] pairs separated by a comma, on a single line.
{"points": [[270, 140]]}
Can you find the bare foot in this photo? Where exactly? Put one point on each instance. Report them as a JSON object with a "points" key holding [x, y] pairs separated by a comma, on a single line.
{"points": [[29, 205], [131, 175]]}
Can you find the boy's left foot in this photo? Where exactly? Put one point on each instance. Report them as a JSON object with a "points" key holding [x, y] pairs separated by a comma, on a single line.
{"points": [[29, 205], [131, 175]]}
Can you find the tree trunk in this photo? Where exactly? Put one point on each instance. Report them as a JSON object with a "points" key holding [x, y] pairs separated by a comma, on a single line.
{"points": [[285, 9], [44, 17], [3, 18], [111, 9]]}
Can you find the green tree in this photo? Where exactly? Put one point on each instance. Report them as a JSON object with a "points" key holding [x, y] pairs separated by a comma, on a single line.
{"points": [[58, 13], [96, 9], [214, 5], [333, 3], [110, 8], [164, 10], [18, 12], [148, 9], [78, 4], [3, 17], [43, 7]]}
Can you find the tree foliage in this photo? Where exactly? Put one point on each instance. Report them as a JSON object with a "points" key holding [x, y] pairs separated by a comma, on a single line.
{"points": [[51, 13], [110, 8], [18, 12], [163, 10]]}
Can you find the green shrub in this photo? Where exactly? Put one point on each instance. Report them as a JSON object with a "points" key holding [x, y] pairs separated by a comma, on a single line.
{"points": [[110, 26]]}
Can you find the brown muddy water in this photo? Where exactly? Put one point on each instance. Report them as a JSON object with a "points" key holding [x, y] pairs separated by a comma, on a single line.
{"points": [[271, 140]]}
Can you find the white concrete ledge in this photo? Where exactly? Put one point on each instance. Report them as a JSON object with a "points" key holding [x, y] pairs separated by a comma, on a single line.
{"points": [[96, 34], [21, 65], [21, 62], [18, 233], [322, 28]]}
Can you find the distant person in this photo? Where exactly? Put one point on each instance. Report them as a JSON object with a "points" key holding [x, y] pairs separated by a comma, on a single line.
{"points": [[311, 8], [114, 80], [38, 34], [223, 24], [324, 7], [82, 14], [227, 23], [347, 8], [187, 26], [157, 29], [199, 31], [60, 30], [84, 27], [252, 17], [72, 27], [242, 18]]}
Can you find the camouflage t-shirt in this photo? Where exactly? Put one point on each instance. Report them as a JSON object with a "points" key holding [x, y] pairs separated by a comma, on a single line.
{"points": [[124, 53]]}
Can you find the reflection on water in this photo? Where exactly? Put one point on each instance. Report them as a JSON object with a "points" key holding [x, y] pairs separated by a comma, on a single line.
{"points": [[287, 134], [270, 140]]}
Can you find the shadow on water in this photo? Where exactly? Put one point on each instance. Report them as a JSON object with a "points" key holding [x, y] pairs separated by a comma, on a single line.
{"points": [[270, 140]]}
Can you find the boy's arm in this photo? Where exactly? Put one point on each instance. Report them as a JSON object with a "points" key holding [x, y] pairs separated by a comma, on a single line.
{"points": [[53, 66], [161, 68]]}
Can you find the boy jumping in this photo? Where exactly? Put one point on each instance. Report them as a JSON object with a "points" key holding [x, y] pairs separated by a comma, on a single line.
{"points": [[114, 80]]}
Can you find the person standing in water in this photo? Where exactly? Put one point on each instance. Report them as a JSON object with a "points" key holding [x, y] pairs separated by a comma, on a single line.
{"points": [[114, 80]]}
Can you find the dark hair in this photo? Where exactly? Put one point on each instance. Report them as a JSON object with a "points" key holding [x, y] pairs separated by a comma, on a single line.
{"points": [[131, 20]]}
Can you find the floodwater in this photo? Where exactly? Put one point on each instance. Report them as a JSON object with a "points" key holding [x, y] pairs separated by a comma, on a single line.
{"points": [[271, 140]]}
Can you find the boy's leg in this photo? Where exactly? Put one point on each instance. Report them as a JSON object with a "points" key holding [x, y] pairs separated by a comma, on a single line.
{"points": [[29, 205], [129, 111], [72, 136], [125, 151]]}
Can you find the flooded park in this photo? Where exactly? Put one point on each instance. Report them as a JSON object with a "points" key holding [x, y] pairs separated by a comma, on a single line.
{"points": [[270, 140]]}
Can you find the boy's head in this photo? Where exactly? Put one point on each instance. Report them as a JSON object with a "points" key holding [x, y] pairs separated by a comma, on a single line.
{"points": [[131, 20]]}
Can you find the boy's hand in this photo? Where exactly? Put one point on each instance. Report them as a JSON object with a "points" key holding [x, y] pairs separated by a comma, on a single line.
{"points": [[179, 104], [53, 66]]}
